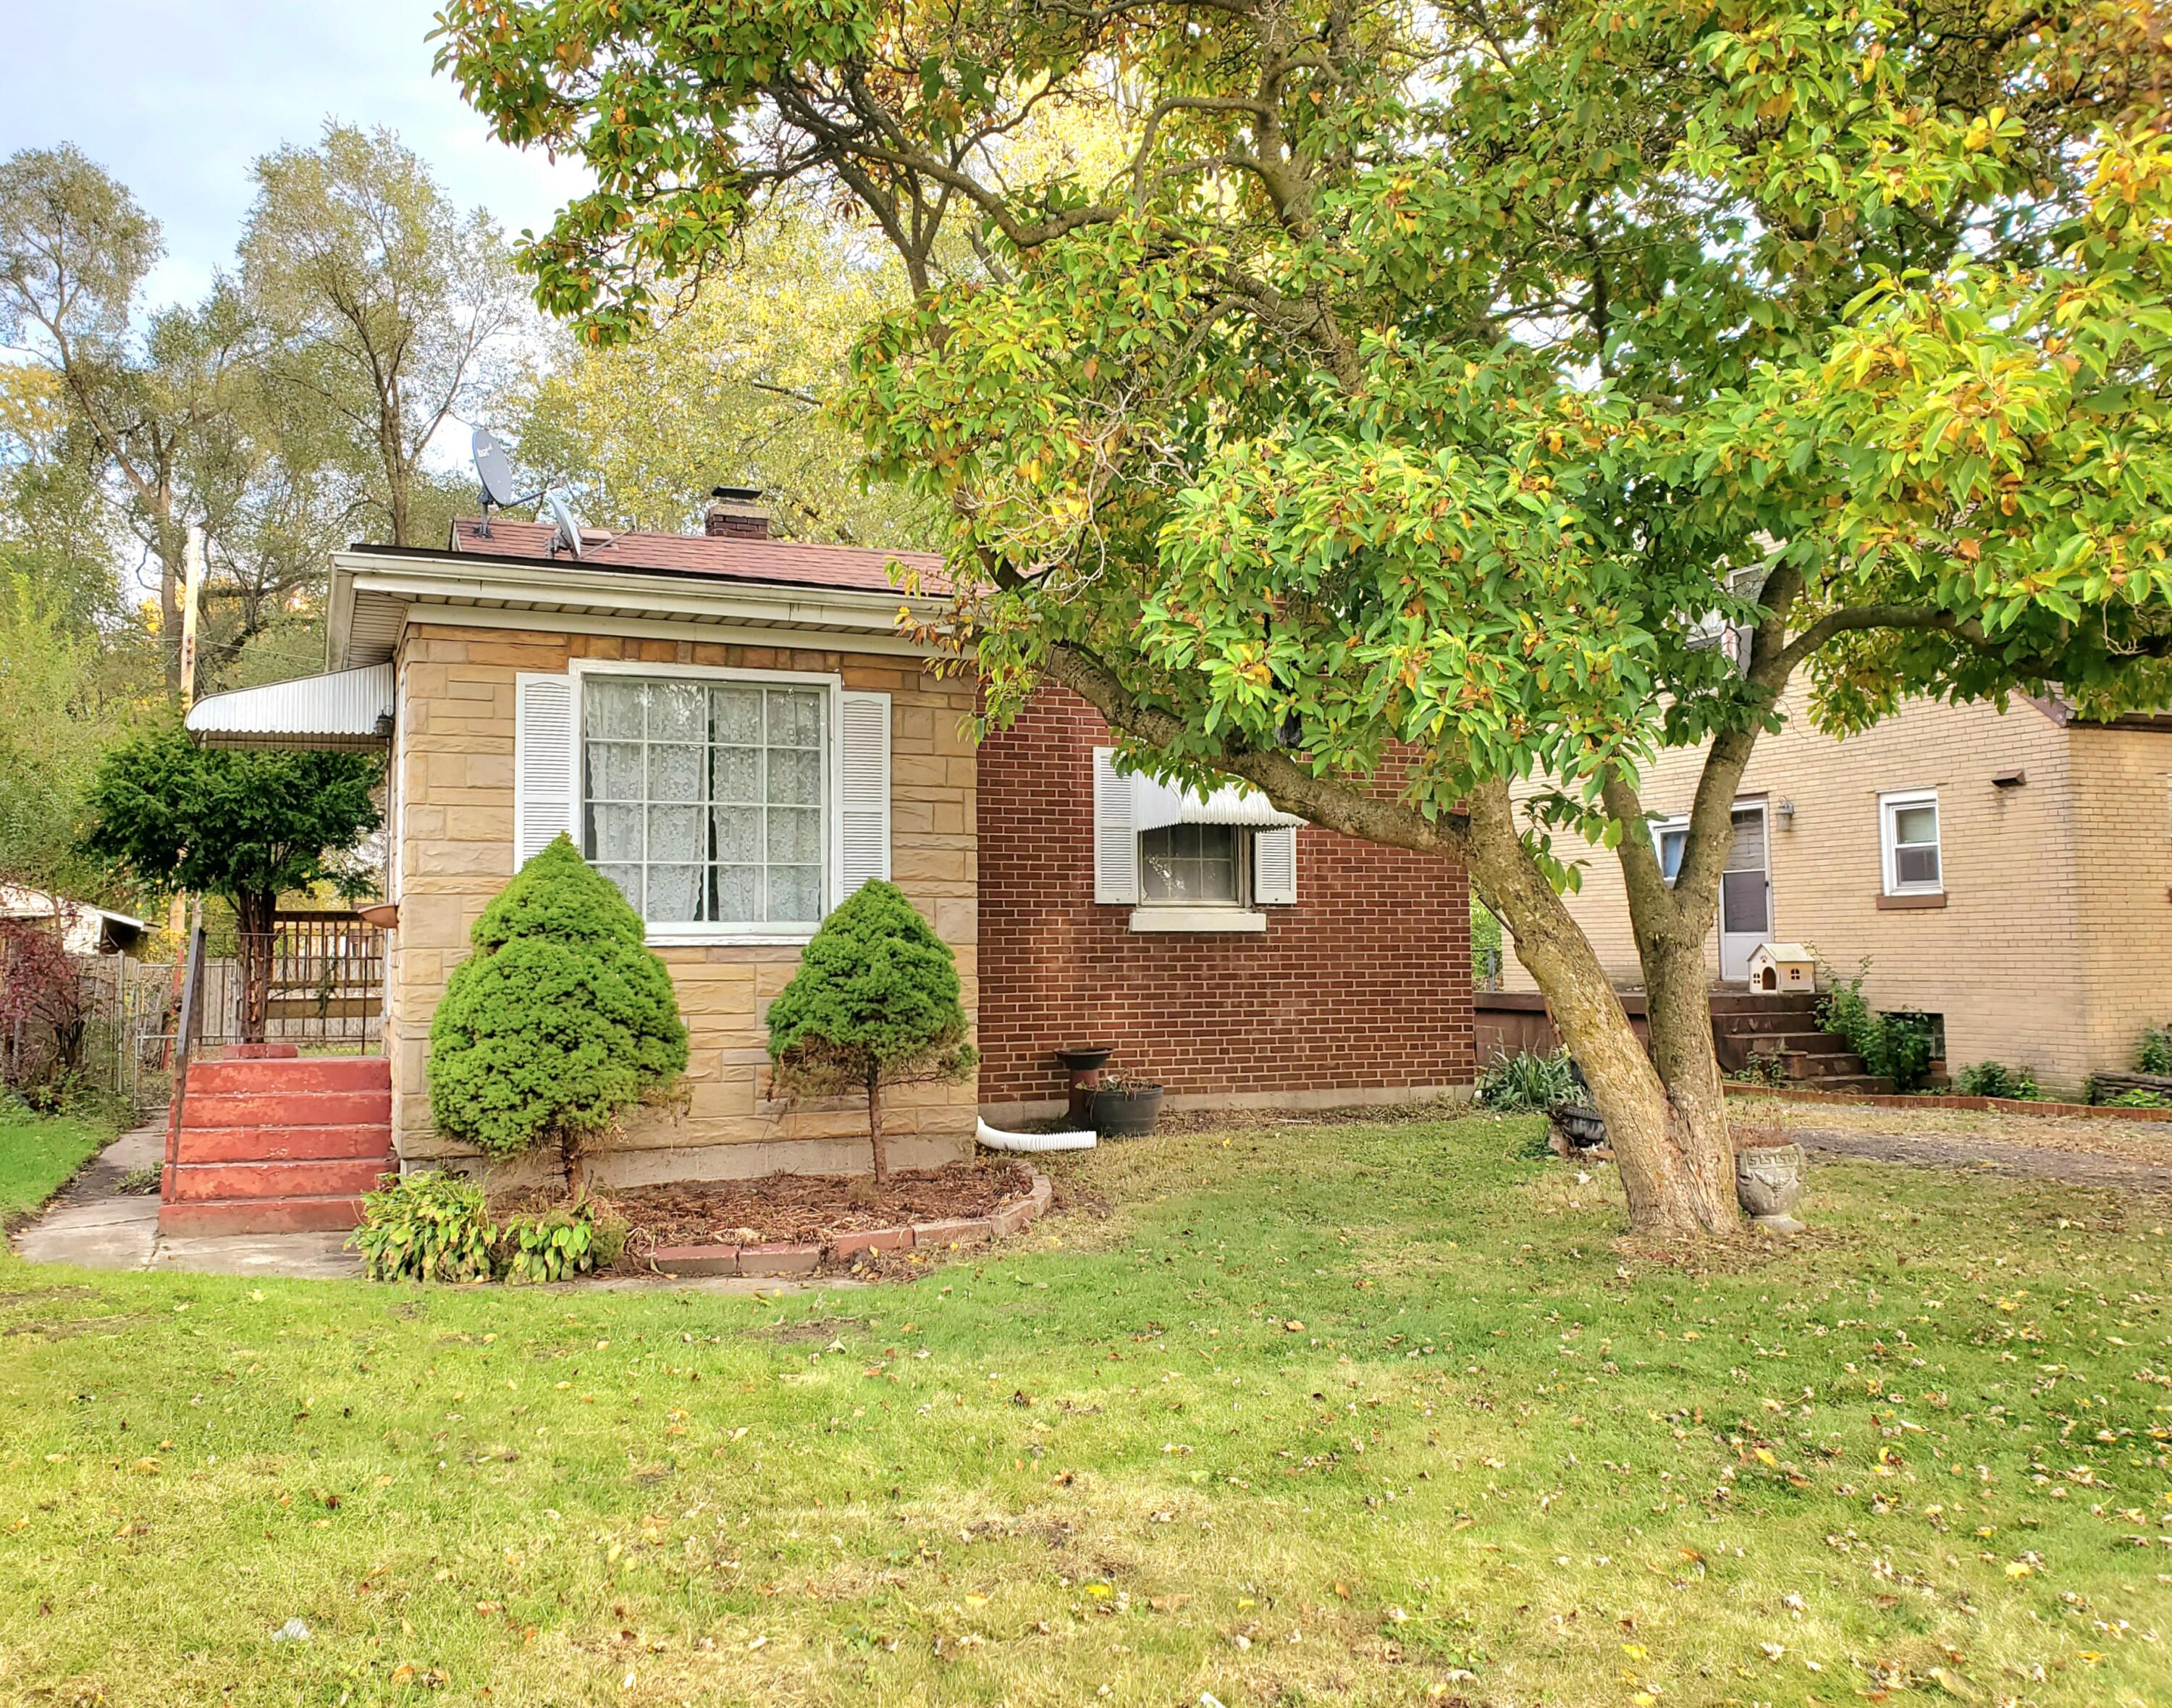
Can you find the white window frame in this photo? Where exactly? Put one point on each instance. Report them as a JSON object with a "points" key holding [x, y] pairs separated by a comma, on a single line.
{"points": [[1240, 840], [662, 934], [1660, 827], [1890, 805]]}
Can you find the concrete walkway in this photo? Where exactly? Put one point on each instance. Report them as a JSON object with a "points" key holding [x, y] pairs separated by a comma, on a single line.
{"points": [[94, 1223]]}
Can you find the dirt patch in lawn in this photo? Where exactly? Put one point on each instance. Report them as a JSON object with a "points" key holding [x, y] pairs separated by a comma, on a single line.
{"points": [[2076, 1150], [809, 1209]]}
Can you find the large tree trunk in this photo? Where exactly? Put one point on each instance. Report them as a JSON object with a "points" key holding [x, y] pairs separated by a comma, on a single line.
{"points": [[1677, 1167], [253, 925], [874, 1127]]}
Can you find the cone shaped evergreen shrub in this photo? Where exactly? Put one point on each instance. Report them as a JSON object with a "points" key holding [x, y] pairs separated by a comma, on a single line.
{"points": [[560, 1021], [873, 1004]]}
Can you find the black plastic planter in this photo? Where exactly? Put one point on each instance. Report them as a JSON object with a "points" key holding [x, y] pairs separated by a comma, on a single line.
{"points": [[1128, 1113]]}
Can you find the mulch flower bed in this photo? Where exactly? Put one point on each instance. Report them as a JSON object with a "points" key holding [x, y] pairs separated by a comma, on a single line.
{"points": [[798, 1224], [809, 1208]]}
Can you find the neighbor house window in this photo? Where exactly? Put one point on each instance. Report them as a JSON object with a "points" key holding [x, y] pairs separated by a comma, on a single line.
{"points": [[1909, 835], [1190, 866], [705, 802], [1667, 838]]}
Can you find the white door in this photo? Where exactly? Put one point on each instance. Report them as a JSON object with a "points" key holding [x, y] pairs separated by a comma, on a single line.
{"points": [[1746, 895]]}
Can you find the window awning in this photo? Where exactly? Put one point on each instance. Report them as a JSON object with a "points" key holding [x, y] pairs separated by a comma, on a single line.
{"points": [[340, 709], [1156, 804]]}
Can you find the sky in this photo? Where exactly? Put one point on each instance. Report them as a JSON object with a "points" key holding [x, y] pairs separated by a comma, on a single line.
{"points": [[176, 100]]}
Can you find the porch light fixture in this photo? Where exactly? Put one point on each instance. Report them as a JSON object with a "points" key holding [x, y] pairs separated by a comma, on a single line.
{"points": [[1786, 809]]}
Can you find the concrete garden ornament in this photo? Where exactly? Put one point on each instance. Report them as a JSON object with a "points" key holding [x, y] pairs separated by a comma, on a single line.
{"points": [[1768, 1181]]}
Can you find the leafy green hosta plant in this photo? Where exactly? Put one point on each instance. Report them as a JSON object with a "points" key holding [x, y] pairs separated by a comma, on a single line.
{"points": [[425, 1226], [557, 1244], [561, 1021], [873, 1004]]}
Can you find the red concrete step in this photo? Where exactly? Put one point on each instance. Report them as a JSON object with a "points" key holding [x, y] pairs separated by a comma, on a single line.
{"points": [[289, 1075], [285, 1144], [285, 1109], [326, 1215], [202, 1182]]}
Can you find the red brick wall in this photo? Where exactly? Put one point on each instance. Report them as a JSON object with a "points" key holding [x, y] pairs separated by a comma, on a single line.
{"points": [[1364, 984]]}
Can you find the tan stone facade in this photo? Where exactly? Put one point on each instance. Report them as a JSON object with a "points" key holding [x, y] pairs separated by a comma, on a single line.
{"points": [[2051, 945], [453, 821]]}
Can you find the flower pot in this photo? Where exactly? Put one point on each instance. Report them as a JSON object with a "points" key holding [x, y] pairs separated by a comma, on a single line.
{"points": [[384, 915], [1768, 1182], [1127, 1113]]}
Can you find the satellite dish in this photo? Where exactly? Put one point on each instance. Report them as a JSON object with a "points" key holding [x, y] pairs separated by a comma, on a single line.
{"points": [[566, 536], [494, 474]]}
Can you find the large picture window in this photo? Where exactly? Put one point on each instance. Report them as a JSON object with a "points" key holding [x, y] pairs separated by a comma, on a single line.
{"points": [[707, 801]]}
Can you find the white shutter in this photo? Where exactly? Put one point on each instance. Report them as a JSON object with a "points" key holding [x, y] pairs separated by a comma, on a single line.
{"points": [[1115, 832], [862, 790], [542, 761], [1274, 867]]}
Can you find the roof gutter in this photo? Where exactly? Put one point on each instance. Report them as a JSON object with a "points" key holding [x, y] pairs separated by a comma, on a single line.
{"points": [[374, 593]]}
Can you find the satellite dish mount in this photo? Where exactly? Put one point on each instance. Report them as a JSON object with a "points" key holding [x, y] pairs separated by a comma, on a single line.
{"points": [[494, 474]]}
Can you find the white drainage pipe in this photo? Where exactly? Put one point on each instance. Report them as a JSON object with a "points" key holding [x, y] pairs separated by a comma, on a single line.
{"points": [[995, 1138]]}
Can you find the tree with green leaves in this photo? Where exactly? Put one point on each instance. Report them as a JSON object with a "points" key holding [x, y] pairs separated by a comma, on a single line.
{"points": [[562, 1020], [75, 248], [731, 389], [243, 825], [875, 1005], [388, 305], [1454, 395]]}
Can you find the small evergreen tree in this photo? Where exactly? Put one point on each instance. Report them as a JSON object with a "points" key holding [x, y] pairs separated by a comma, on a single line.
{"points": [[873, 1004], [561, 1020]]}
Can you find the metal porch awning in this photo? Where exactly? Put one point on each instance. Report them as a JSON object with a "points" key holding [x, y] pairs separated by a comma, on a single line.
{"points": [[339, 709], [1156, 804]]}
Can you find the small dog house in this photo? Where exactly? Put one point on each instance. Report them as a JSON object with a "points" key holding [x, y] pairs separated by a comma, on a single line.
{"points": [[1782, 967]]}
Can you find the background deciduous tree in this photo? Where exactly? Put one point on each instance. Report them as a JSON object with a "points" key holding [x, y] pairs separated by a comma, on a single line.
{"points": [[730, 391], [388, 305], [1435, 384]]}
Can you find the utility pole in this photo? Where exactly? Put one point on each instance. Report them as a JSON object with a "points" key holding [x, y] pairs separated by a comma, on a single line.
{"points": [[192, 575]]}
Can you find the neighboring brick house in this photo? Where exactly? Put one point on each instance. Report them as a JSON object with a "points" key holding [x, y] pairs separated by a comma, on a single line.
{"points": [[735, 729], [2010, 873]]}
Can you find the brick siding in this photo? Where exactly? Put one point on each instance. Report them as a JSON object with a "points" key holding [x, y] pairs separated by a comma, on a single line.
{"points": [[2054, 947], [1363, 986]]}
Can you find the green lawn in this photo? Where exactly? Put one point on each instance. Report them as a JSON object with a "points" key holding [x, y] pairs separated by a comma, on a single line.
{"points": [[37, 1155], [1339, 1414]]}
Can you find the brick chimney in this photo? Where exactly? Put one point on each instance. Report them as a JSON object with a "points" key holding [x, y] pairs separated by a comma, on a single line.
{"points": [[736, 513]]}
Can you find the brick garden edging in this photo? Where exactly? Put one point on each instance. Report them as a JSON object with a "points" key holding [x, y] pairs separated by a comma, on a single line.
{"points": [[785, 1259], [2005, 1105]]}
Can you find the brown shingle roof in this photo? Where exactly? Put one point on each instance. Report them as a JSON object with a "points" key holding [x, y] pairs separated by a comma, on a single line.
{"points": [[731, 558]]}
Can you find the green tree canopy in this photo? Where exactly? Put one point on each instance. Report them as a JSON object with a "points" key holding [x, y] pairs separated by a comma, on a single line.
{"points": [[873, 1004], [559, 1021], [1476, 391], [730, 390], [387, 306]]}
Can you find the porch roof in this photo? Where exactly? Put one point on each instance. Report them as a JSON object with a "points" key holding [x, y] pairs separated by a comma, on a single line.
{"points": [[339, 709]]}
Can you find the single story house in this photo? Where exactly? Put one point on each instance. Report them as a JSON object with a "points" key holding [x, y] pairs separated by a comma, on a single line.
{"points": [[737, 730], [2009, 873]]}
